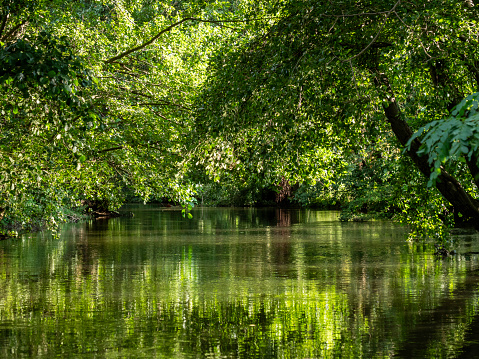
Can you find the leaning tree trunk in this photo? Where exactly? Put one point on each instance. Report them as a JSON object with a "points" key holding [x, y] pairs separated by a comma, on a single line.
{"points": [[447, 185]]}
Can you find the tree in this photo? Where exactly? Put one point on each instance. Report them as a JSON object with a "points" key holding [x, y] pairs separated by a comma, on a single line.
{"points": [[97, 99], [349, 76]]}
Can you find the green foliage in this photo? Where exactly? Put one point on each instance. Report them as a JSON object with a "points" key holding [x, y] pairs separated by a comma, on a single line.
{"points": [[42, 84], [236, 194], [367, 190], [87, 111], [455, 138], [311, 89], [157, 97], [185, 212], [426, 212], [317, 196], [47, 62]]}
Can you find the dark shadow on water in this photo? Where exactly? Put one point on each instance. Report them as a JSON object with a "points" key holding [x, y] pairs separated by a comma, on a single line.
{"points": [[434, 325]]}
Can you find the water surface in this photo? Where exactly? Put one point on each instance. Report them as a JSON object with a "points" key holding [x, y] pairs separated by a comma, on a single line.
{"points": [[235, 283]]}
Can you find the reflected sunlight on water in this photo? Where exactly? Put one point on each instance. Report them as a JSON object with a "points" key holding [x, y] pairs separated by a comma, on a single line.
{"points": [[235, 283]]}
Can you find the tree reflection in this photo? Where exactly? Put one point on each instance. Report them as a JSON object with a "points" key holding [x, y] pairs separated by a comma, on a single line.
{"points": [[233, 283]]}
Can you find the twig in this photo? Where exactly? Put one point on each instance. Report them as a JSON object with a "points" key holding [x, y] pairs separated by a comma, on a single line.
{"points": [[376, 36], [359, 14], [422, 45], [4, 22], [111, 149], [167, 29], [165, 118], [165, 103]]}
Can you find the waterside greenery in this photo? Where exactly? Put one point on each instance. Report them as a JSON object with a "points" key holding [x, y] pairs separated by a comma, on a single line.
{"points": [[371, 106]]}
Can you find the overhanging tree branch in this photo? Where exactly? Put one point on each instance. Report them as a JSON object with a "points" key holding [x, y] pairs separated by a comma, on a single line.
{"points": [[2, 26], [149, 42], [164, 103], [13, 30], [111, 149], [167, 29], [388, 13], [447, 185]]}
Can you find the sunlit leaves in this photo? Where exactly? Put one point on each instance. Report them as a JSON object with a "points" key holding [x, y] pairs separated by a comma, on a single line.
{"points": [[313, 78], [92, 136], [453, 138]]}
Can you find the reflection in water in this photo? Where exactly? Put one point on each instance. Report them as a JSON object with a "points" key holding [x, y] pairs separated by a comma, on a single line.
{"points": [[235, 283]]}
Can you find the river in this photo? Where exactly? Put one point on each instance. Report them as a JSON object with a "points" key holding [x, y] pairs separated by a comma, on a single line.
{"points": [[236, 283]]}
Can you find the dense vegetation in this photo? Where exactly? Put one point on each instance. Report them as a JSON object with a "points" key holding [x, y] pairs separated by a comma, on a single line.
{"points": [[371, 105]]}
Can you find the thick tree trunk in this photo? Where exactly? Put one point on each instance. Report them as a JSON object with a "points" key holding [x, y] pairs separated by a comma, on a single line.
{"points": [[474, 168], [474, 69], [447, 185]]}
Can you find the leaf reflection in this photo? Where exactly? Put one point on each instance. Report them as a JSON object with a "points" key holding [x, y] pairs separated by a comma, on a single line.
{"points": [[233, 284]]}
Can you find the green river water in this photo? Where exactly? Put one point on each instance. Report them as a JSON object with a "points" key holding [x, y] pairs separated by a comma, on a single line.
{"points": [[236, 283]]}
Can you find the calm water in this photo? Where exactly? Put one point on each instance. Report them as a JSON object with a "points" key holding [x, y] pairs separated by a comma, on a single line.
{"points": [[236, 283]]}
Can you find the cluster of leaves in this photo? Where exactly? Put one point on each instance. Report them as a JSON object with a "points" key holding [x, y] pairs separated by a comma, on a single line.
{"points": [[454, 138], [156, 97], [426, 212], [368, 190], [316, 85], [43, 86], [96, 98]]}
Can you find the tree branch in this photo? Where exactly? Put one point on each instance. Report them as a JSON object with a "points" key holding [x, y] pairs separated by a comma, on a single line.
{"points": [[111, 149], [136, 92], [2, 26], [358, 14], [448, 186], [149, 42], [388, 13], [166, 119], [165, 103], [167, 29], [474, 168], [13, 30], [128, 73], [474, 69]]}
